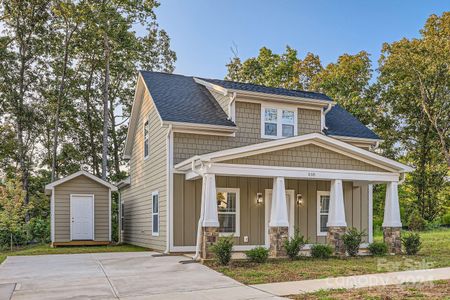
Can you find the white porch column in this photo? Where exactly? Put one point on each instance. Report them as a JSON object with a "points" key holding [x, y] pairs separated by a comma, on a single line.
{"points": [[336, 212], [336, 224], [279, 213], [392, 223], [279, 222], [391, 206], [209, 195], [210, 219]]}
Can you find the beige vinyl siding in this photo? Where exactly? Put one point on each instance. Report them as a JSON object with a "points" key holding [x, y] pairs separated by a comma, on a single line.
{"points": [[248, 120], [187, 198], [308, 156], [81, 185], [146, 176]]}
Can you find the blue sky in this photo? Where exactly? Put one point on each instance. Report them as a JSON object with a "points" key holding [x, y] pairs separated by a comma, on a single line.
{"points": [[203, 31]]}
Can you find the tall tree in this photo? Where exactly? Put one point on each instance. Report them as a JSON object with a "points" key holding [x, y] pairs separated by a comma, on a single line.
{"points": [[23, 48], [418, 70], [65, 22]]}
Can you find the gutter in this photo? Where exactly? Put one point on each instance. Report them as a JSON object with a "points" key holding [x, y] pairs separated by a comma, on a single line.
{"points": [[168, 189]]}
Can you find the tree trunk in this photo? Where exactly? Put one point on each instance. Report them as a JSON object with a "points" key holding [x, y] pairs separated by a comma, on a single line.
{"points": [[105, 108], [19, 125], [58, 107], [89, 109], [114, 140]]}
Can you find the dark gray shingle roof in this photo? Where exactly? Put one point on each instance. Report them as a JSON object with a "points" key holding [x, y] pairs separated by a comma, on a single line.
{"points": [[250, 87], [179, 98], [341, 122]]}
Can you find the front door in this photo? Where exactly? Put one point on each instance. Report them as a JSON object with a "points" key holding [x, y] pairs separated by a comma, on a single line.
{"points": [[290, 207], [82, 217]]}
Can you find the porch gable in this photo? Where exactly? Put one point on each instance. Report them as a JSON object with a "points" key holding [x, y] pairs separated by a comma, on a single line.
{"points": [[307, 156]]}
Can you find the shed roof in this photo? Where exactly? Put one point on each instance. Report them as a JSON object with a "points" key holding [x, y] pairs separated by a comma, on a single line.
{"points": [[49, 187]]}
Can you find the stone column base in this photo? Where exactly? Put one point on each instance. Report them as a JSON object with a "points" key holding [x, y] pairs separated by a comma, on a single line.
{"points": [[277, 236], [209, 237], [334, 238], [392, 238]]}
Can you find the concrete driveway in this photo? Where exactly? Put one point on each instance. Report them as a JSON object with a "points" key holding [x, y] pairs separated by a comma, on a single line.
{"points": [[137, 275]]}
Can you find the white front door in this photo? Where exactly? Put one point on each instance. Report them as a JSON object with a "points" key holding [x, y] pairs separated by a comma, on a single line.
{"points": [[290, 207], [82, 217]]}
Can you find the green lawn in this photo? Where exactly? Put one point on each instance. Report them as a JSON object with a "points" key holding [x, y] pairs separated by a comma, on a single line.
{"points": [[46, 249], [435, 253], [431, 291]]}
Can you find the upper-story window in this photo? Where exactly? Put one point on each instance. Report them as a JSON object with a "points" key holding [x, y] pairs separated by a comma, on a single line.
{"points": [[146, 139], [278, 122]]}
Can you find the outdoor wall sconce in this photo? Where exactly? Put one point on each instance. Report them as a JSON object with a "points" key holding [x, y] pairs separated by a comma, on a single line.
{"points": [[299, 200], [259, 198]]}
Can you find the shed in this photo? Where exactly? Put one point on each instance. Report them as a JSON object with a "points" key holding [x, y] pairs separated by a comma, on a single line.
{"points": [[80, 208]]}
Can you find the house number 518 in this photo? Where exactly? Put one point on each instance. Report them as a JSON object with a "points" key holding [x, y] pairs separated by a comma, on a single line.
{"points": [[311, 174]]}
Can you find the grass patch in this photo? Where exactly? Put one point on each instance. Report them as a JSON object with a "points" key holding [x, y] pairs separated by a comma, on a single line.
{"points": [[435, 253], [43, 249], [426, 290]]}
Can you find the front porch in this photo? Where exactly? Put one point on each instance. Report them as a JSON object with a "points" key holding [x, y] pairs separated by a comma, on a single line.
{"points": [[262, 193]]}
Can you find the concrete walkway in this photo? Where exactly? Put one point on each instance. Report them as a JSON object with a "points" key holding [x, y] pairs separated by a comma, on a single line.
{"points": [[133, 275], [349, 282]]}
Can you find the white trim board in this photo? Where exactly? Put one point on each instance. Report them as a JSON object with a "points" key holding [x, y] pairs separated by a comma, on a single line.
{"points": [[294, 173], [49, 187]]}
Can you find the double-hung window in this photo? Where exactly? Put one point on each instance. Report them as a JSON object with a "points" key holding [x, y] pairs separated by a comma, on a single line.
{"points": [[278, 122], [228, 211], [323, 207], [146, 139], [155, 213]]}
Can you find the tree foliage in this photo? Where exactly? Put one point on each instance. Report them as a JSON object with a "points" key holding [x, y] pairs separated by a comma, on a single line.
{"points": [[68, 71], [407, 105]]}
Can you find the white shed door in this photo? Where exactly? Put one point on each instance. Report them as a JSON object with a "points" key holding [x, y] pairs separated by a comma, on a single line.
{"points": [[82, 214]]}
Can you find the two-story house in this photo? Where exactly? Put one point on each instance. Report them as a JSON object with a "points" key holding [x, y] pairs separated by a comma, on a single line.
{"points": [[212, 158]]}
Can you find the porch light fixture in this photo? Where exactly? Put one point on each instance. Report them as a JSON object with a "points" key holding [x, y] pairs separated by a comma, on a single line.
{"points": [[299, 200], [259, 198]]}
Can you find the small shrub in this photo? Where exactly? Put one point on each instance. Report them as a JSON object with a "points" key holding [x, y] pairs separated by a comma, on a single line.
{"points": [[294, 245], [39, 229], [412, 243], [378, 248], [433, 225], [416, 222], [352, 239], [258, 254], [321, 251], [222, 250], [446, 219]]}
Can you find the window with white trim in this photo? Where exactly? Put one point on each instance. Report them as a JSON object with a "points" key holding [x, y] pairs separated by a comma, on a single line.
{"points": [[155, 213], [278, 122], [323, 207], [228, 211], [146, 139]]}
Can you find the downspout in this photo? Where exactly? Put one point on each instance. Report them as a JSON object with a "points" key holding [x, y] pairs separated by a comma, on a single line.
{"points": [[119, 234], [200, 220], [330, 106], [168, 187], [402, 178], [230, 106]]}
